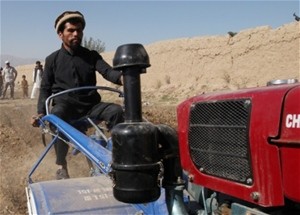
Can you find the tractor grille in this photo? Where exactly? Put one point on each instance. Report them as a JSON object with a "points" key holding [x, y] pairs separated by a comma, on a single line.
{"points": [[218, 139]]}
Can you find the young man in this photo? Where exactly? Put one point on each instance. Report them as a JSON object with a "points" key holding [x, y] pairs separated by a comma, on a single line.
{"points": [[9, 75], [75, 66], [37, 78], [1, 81]]}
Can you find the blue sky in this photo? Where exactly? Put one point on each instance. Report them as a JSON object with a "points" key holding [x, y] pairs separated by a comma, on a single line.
{"points": [[27, 27]]}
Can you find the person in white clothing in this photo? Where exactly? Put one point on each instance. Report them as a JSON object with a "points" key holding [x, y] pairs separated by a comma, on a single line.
{"points": [[37, 78], [9, 76], [1, 81]]}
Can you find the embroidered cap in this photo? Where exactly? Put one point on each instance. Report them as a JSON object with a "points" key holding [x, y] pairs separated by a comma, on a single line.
{"points": [[66, 16]]}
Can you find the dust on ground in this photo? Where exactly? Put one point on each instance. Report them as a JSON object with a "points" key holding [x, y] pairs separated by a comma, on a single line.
{"points": [[21, 146]]}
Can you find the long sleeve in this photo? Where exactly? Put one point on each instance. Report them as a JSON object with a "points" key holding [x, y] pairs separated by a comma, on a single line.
{"points": [[34, 75], [108, 72]]}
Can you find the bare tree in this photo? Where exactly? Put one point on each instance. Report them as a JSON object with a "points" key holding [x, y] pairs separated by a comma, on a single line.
{"points": [[93, 44]]}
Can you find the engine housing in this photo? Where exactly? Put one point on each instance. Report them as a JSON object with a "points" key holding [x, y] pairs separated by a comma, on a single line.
{"points": [[244, 143]]}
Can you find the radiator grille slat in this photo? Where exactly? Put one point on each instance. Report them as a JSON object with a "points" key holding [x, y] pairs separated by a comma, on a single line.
{"points": [[218, 139]]}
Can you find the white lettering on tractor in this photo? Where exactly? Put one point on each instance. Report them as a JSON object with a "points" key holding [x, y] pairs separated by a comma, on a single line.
{"points": [[292, 121]]}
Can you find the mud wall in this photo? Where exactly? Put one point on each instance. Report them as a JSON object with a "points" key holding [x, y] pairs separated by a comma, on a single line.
{"points": [[252, 57]]}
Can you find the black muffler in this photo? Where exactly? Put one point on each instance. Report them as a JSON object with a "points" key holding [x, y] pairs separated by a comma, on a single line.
{"points": [[135, 154]]}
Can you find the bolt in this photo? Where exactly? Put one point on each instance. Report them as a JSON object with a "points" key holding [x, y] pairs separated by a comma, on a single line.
{"points": [[247, 103], [255, 196], [249, 181]]}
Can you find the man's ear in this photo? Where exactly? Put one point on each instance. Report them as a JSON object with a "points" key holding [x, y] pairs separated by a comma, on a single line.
{"points": [[60, 34]]}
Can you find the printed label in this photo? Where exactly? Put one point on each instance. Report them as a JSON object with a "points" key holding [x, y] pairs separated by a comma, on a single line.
{"points": [[95, 194], [292, 121]]}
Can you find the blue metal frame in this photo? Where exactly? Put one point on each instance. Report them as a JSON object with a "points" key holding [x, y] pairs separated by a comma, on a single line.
{"points": [[98, 154], [78, 89]]}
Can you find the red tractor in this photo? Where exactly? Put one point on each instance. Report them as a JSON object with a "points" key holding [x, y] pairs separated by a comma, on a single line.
{"points": [[240, 150]]}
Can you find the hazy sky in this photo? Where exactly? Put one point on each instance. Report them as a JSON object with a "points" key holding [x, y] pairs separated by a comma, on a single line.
{"points": [[27, 27]]}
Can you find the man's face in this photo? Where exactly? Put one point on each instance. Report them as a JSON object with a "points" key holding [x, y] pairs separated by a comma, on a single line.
{"points": [[72, 35]]}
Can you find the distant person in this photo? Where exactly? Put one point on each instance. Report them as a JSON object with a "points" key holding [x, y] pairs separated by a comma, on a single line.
{"points": [[75, 66], [24, 86], [1, 81], [9, 75], [37, 75]]}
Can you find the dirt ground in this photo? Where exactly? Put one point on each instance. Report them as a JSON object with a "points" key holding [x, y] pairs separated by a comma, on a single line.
{"points": [[21, 145]]}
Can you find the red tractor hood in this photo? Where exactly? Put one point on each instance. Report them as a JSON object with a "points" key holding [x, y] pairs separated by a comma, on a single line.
{"points": [[264, 186]]}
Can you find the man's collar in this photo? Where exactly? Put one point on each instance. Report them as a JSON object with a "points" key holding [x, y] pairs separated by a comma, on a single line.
{"points": [[71, 52]]}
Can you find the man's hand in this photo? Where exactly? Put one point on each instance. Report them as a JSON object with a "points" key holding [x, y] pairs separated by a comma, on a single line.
{"points": [[35, 122]]}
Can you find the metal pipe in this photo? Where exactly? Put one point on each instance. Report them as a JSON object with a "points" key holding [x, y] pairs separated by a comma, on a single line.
{"points": [[132, 94]]}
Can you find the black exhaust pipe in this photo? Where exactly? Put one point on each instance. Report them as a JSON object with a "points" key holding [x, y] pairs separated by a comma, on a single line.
{"points": [[135, 149]]}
